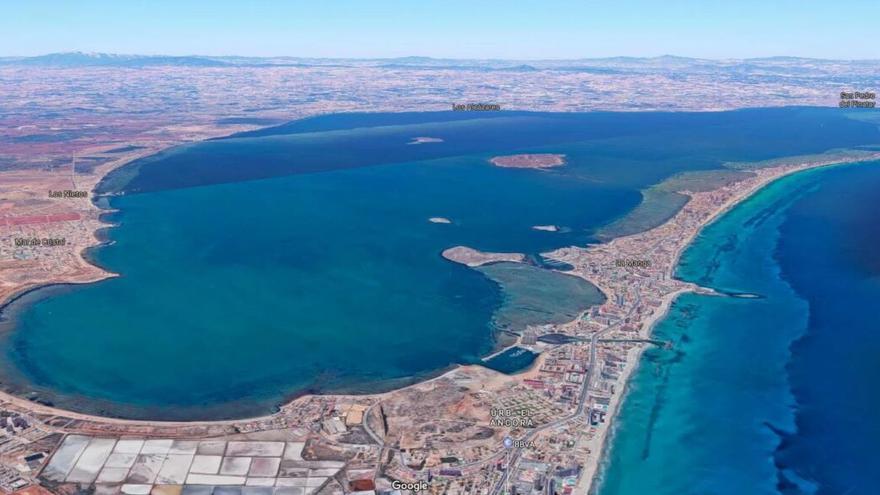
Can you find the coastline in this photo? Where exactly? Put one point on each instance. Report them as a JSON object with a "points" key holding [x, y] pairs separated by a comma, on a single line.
{"points": [[94, 216], [96, 225], [592, 471], [10, 299], [633, 356]]}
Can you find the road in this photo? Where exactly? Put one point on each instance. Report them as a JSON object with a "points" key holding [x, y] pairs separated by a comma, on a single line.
{"points": [[582, 402], [515, 452]]}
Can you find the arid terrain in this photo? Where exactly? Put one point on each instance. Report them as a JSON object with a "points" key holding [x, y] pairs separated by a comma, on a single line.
{"points": [[469, 431]]}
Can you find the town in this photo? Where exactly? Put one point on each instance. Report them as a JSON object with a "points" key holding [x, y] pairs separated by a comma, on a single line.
{"points": [[469, 431]]}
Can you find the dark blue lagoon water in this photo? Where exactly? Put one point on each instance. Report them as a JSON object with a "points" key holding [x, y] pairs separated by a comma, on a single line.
{"points": [[301, 258], [773, 394]]}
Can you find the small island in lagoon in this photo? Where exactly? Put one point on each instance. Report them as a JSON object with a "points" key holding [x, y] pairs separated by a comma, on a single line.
{"points": [[537, 160]]}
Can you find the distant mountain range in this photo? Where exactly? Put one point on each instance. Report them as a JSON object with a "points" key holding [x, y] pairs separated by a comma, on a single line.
{"points": [[609, 64], [80, 59]]}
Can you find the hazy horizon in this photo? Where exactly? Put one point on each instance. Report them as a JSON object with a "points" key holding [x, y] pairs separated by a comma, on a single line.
{"points": [[454, 29], [429, 57]]}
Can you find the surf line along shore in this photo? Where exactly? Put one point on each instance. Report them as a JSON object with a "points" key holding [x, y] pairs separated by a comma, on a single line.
{"points": [[635, 273], [648, 259], [631, 316], [665, 245]]}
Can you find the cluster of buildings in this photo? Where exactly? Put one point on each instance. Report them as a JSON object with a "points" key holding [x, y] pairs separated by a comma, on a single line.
{"points": [[25, 444], [471, 431]]}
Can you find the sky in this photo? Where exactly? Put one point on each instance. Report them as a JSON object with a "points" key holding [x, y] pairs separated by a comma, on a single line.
{"points": [[511, 29]]}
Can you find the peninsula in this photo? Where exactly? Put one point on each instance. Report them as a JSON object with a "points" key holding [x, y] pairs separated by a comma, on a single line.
{"points": [[469, 430], [71, 118], [472, 258]]}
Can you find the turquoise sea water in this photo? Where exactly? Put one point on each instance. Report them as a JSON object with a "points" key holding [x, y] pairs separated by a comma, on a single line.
{"points": [[301, 259], [771, 394]]}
